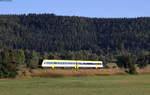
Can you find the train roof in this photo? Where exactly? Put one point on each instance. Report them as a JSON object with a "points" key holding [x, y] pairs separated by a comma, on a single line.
{"points": [[72, 61]]}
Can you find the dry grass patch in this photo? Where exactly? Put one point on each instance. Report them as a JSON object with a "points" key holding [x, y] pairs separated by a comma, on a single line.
{"points": [[74, 72]]}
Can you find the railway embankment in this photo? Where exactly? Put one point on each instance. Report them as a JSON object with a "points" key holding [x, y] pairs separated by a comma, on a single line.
{"points": [[57, 73]]}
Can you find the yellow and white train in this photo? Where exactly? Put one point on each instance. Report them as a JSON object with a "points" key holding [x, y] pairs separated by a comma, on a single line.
{"points": [[71, 64]]}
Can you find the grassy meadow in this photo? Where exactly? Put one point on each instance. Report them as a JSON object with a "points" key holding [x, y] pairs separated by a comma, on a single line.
{"points": [[90, 85]]}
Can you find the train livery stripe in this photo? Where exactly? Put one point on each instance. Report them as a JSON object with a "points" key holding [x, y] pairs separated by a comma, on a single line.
{"points": [[53, 66], [72, 61]]}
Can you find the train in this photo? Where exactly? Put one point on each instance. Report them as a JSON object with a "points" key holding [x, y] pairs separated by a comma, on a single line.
{"points": [[71, 64]]}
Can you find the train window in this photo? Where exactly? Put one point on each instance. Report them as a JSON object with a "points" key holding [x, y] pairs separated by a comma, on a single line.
{"points": [[47, 62], [82, 63], [71, 63], [87, 63]]}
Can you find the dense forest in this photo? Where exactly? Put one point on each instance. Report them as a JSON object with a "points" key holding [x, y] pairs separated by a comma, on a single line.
{"points": [[51, 33], [25, 40]]}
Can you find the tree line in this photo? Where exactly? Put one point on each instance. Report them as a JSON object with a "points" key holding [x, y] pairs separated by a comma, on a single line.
{"points": [[12, 60]]}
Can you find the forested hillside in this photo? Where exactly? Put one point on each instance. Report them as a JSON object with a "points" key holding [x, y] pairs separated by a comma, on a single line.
{"points": [[51, 33], [25, 40]]}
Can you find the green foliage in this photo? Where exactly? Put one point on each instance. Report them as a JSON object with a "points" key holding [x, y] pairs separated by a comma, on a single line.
{"points": [[51, 33], [20, 57], [72, 55], [8, 63], [111, 65], [32, 59], [79, 55], [66, 55], [143, 59], [74, 38], [127, 61]]}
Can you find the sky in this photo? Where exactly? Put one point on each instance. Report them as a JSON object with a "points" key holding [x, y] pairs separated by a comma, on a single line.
{"points": [[86, 8]]}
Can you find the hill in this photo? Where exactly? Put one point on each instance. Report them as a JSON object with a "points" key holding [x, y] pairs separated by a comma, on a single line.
{"points": [[51, 33]]}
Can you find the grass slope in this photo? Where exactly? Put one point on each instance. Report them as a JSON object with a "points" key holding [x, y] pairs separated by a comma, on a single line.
{"points": [[92, 85]]}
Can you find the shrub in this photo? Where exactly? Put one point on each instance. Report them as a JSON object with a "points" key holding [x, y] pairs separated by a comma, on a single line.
{"points": [[127, 61], [8, 64]]}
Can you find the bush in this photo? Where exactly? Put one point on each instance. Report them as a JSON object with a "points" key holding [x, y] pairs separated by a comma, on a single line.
{"points": [[127, 61], [31, 59], [111, 65], [143, 60], [8, 64]]}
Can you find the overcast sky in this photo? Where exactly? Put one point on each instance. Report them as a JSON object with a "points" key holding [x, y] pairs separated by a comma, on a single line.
{"points": [[87, 8]]}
